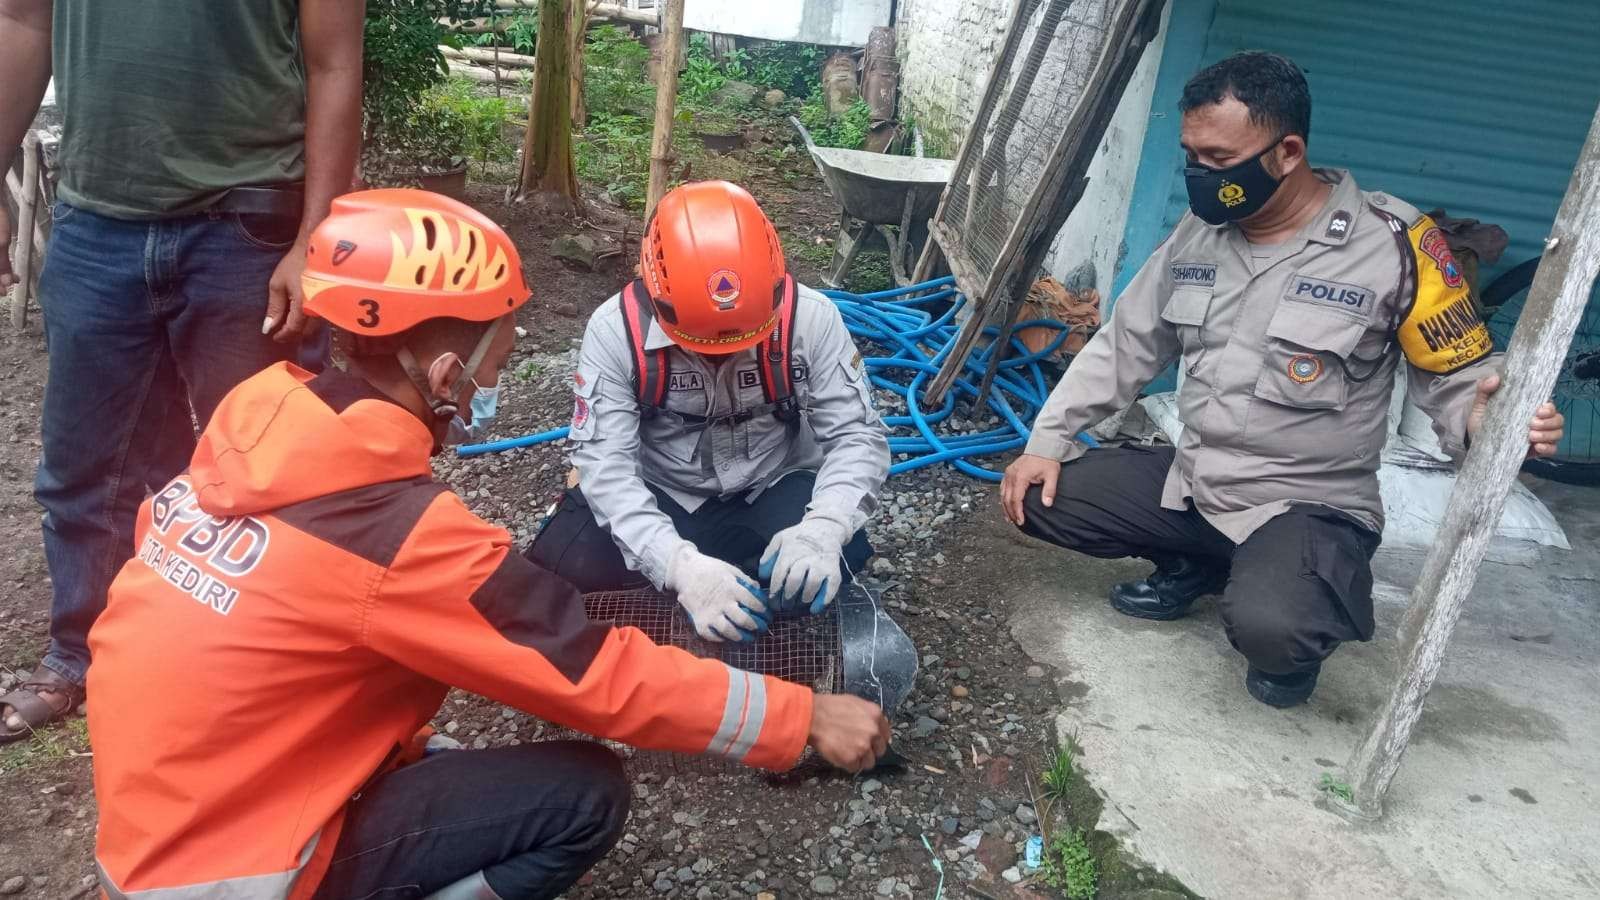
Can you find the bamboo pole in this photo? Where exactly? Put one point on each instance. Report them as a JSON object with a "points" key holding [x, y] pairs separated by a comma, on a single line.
{"points": [[1550, 316], [666, 104], [489, 75], [489, 58]]}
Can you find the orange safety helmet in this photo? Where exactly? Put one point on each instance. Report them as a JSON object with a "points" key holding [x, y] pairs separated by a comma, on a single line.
{"points": [[385, 260], [713, 268]]}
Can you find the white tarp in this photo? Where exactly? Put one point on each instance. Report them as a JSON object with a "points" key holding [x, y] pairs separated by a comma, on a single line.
{"points": [[826, 22], [1414, 496]]}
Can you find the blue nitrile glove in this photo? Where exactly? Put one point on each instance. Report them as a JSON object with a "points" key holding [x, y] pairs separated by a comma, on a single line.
{"points": [[721, 603], [801, 564]]}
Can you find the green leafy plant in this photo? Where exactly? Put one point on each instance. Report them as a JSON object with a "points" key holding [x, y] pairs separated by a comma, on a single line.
{"points": [[614, 79], [702, 74], [1329, 784], [1069, 866], [1057, 778], [849, 130], [476, 125], [401, 62], [615, 152], [518, 34], [789, 67]]}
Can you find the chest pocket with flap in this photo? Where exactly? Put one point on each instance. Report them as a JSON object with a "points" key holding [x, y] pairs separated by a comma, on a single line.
{"points": [[1303, 362], [1187, 309]]}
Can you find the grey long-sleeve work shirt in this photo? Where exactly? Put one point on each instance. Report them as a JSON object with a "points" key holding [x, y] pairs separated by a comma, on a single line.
{"points": [[1289, 361], [619, 452]]}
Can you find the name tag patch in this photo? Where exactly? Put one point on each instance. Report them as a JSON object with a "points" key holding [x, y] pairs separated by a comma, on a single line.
{"points": [[686, 381], [1197, 274], [1352, 297]]}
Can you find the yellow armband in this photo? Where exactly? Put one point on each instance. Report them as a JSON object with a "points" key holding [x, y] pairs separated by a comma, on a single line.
{"points": [[1442, 331]]}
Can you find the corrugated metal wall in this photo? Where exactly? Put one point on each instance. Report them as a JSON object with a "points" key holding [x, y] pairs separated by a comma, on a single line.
{"points": [[1476, 107]]}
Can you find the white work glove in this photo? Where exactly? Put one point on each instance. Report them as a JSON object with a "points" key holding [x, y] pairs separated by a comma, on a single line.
{"points": [[721, 602], [801, 564]]}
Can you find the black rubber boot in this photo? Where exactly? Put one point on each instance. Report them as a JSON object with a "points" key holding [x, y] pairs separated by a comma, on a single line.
{"points": [[1281, 691], [1170, 590]]}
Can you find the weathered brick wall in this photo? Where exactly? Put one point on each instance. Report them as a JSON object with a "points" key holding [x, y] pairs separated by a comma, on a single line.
{"points": [[946, 47]]}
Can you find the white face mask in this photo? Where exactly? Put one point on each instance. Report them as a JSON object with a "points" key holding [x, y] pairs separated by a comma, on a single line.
{"points": [[485, 405]]}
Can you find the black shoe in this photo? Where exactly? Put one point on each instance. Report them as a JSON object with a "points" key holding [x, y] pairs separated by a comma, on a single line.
{"points": [[1170, 590], [1281, 691]]}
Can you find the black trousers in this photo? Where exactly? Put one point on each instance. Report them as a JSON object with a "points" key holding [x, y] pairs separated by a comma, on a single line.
{"points": [[1297, 587], [574, 546], [527, 820]]}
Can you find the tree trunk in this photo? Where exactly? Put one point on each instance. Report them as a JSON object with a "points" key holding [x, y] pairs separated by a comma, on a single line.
{"points": [[577, 36], [547, 165]]}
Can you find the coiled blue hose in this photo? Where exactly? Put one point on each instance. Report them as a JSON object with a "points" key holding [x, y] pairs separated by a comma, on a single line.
{"points": [[899, 322]]}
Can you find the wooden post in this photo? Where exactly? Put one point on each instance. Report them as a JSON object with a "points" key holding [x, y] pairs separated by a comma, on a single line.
{"points": [[547, 165], [1538, 348], [666, 104], [27, 209]]}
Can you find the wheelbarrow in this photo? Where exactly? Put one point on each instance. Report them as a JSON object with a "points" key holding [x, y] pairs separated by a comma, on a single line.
{"points": [[876, 191]]}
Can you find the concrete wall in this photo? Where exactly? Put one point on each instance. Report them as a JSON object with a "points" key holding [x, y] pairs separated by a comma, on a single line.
{"points": [[828, 22], [946, 50]]}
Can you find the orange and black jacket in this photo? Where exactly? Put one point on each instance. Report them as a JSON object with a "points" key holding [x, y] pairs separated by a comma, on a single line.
{"points": [[298, 602]]}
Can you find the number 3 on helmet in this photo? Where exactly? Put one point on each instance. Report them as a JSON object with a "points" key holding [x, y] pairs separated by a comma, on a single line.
{"points": [[384, 261]]}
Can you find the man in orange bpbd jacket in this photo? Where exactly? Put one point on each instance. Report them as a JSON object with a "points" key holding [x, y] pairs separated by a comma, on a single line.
{"points": [[304, 594]]}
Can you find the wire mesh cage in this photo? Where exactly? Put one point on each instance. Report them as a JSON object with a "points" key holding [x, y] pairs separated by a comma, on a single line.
{"points": [[805, 649], [1038, 81]]}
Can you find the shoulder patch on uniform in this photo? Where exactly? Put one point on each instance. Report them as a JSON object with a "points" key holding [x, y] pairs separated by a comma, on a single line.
{"points": [[1339, 225], [1442, 332], [1194, 274]]}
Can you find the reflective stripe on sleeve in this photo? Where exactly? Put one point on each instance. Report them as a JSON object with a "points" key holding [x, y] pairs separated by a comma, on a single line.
{"points": [[743, 715]]}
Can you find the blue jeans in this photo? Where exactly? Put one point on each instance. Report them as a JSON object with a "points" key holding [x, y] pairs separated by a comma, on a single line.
{"points": [[145, 322]]}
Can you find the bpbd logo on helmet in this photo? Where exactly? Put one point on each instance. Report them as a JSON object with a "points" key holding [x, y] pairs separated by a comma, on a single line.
{"points": [[724, 288]]}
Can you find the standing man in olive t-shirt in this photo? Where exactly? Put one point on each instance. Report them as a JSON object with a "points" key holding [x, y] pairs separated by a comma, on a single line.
{"points": [[202, 142]]}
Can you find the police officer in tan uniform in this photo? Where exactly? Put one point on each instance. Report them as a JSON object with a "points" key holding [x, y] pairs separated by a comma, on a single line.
{"points": [[1291, 299]]}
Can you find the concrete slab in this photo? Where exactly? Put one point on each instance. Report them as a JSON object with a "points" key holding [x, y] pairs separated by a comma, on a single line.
{"points": [[1499, 795]]}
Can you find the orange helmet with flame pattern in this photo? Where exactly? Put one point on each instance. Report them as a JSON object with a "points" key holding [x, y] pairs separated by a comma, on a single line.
{"points": [[385, 260]]}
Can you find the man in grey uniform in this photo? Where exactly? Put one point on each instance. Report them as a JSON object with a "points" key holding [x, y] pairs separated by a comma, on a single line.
{"points": [[724, 426], [1289, 297]]}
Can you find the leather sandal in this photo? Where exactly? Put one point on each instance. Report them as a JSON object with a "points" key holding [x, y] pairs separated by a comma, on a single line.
{"points": [[36, 712]]}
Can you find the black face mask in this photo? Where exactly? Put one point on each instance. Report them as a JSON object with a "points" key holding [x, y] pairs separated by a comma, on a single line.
{"points": [[1231, 194]]}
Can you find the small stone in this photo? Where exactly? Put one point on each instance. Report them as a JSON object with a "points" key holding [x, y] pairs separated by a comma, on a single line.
{"points": [[824, 885], [1026, 815], [480, 744], [508, 713], [662, 884], [1012, 875], [766, 895], [1034, 672], [452, 726], [13, 885], [924, 727], [581, 250], [773, 99], [949, 824], [735, 93], [959, 691], [870, 785], [886, 887], [882, 566], [685, 874]]}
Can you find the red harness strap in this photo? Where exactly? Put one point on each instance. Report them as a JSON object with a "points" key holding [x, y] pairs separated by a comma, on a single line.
{"points": [[652, 369]]}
